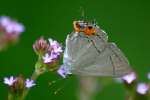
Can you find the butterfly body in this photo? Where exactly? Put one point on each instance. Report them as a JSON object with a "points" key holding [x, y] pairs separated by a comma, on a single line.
{"points": [[88, 53]]}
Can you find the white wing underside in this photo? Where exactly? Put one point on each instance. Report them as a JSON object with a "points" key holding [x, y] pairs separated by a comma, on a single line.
{"points": [[82, 56]]}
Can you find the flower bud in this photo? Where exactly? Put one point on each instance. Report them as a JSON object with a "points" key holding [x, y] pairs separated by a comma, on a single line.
{"points": [[41, 46], [18, 86]]}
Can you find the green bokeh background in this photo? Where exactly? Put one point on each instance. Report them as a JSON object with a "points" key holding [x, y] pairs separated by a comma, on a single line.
{"points": [[127, 22]]}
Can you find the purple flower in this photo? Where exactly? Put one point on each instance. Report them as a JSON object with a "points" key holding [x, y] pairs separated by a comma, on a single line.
{"points": [[129, 78], [63, 71], [9, 81], [148, 75], [47, 58], [4, 21], [55, 46], [11, 26], [29, 83], [142, 88], [55, 51]]}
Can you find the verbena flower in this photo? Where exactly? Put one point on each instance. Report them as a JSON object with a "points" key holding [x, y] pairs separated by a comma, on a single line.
{"points": [[47, 58], [55, 46], [41, 46], [142, 88], [129, 78], [10, 26], [63, 71], [9, 80], [29, 83], [18, 82], [54, 53]]}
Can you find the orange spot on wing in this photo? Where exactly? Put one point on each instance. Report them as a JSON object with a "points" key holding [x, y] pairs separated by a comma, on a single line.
{"points": [[89, 31]]}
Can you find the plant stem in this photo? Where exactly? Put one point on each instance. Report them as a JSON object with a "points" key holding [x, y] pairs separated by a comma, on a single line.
{"points": [[34, 76], [10, 96]]}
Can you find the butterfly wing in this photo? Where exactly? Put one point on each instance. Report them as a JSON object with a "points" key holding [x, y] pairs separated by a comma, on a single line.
{"points": [[111, 62], [78, 52], [82, 57]]}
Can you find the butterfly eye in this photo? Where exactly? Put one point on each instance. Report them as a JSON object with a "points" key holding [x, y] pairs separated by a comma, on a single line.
{"points": [[77, 25]]}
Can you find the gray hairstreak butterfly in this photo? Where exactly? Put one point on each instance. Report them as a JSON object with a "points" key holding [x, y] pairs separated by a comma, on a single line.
{"points": [[89, 53]]}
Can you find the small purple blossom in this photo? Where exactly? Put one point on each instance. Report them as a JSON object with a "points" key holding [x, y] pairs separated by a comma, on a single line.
{"points": [[148, 75], [9, 81], [63, 71], [47, 58], [29, 83], [11, 26], [55, 46], [129, 78], [142, 88], [56, 49]]}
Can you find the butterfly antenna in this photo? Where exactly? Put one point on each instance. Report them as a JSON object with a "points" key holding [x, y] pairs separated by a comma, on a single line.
{"points": [[94, 22], [82, 11]]}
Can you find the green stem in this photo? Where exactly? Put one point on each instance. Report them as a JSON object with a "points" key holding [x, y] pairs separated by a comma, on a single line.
{"points": [[10, 96], [34, 76]]}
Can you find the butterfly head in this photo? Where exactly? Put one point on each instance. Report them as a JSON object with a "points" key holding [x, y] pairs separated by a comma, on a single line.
{"points": [[86, 27]]}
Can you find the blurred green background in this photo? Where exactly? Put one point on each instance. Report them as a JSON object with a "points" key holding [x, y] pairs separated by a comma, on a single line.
{"points": [[127, 23]]}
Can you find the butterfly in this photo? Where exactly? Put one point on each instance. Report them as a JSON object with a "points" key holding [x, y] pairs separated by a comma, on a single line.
{"points": [[88, 53]]}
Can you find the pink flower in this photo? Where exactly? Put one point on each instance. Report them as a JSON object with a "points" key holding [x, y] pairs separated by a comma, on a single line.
{"points": [[54, 53], [47, 58], [129, 78], [63, 71], [142, 88], [29, 83], [9, 81], [10, 26], [55, 45]]}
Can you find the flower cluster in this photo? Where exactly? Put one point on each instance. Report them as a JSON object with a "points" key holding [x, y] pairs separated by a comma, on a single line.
{"points": [[54, 53], [134, 87], [10, 81], [142, 88], [129, 78], [10, 26], [48, 50], [10, 31], [49, 53]]}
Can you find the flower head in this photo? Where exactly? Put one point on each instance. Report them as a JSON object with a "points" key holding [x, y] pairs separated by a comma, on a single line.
{"points": [[29, 83], [142, 88], [10, 26], [54, 53], [55, 46], [47, 58], [129, 78], [41, 46], [9, 81], [63, 71], [18, 82]]}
